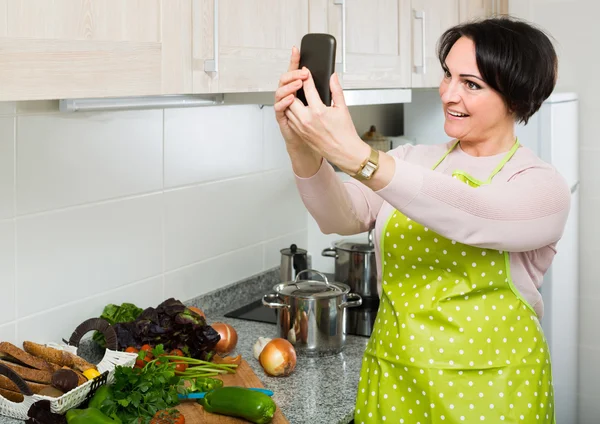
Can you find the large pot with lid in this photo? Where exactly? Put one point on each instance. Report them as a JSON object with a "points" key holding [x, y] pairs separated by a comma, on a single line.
{"points": [[312, 313], [355, 265]]}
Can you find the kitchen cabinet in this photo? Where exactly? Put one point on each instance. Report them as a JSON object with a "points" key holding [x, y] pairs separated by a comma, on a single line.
{"points": [[82, 48], [241, 46], [429, 20], [474, 9], [373, 40]]}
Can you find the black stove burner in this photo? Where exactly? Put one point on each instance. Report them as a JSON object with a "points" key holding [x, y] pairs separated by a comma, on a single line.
{"points": [[359, 319]]}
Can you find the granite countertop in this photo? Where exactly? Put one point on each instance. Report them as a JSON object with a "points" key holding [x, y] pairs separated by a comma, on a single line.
{"points": [[320, 390]]}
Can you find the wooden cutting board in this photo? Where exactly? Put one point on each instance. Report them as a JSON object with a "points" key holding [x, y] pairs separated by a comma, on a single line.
{"points": [[244, 377]]}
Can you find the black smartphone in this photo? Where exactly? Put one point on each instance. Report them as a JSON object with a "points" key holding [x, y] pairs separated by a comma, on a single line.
{"points": [[317, 53]]}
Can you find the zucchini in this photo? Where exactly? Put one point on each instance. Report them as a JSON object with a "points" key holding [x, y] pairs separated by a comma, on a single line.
{"points": [[240, 402]]}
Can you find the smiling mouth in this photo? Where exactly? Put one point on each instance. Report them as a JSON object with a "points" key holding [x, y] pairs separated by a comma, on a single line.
{"points": [[457, 114]]}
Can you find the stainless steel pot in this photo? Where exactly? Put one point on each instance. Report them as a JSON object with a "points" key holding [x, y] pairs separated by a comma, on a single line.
{"points": [[312, 314], [355, 266]]}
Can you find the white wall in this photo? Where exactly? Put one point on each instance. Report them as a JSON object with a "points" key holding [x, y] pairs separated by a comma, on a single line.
{"points": [[574, 25], [135, 206]]}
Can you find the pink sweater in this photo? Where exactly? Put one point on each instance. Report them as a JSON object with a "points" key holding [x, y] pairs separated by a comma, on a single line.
{"points": [[523, 211]]}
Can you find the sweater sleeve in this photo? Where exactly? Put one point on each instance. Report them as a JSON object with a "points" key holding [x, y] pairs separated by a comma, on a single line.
{"points": [[339, 207], [525, 213]]}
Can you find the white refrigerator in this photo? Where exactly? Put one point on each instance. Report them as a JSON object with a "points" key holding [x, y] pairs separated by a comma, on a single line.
{"points": [[553, 134]]}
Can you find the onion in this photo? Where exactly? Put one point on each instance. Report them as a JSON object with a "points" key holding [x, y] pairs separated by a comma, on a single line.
{"points": [[278, 358], [229, 337]]}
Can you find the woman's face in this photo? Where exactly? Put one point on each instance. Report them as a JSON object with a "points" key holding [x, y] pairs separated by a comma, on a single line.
{"points": [[473, 111]]}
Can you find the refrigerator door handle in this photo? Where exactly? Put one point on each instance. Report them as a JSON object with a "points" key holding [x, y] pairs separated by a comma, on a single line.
{"points": [[574, 187]]}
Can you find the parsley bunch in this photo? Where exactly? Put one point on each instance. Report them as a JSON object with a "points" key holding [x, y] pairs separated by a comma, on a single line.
{"points": [[141, 392]]}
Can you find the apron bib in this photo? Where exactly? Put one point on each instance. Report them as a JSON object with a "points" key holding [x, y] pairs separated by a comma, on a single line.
{"points": [[453, 341]]}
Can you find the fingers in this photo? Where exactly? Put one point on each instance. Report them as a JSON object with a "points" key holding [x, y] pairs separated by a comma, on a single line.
{"points": [[337, 93], [294, 60], [282, 105], [311, 93], [287, 89], [296, 75]]}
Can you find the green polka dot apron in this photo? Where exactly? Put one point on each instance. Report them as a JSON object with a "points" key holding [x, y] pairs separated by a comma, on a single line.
{"points": [[453, 341]]}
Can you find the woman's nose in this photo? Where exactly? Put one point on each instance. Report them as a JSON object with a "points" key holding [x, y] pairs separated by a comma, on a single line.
{"points": [[449, 92]]}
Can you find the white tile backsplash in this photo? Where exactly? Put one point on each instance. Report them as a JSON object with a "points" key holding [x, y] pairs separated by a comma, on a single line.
{"points": [[209, 275], [276, 156], [66, 160], [211, 219], [7, 271], [212, 143], [285, 211], [135, 206], [66, 318], [8, 333], [92, 248], [7, 167]]}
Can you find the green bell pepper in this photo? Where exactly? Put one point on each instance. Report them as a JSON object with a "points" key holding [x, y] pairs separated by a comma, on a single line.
{"points": [[102, 393], [88, 416]]}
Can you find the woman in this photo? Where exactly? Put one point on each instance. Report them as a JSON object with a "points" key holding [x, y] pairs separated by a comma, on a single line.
{"points": [[465, 230]]}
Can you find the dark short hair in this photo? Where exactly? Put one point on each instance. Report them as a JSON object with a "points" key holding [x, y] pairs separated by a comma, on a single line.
{"points": [[514, 58]]}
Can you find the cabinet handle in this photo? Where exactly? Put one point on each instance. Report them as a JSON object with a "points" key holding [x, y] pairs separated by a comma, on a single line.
{"points": [[343, 4], [494, 11], [421, 69], [212, 65]]}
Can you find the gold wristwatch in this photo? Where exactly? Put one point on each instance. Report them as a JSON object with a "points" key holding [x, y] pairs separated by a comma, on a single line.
{"points": [[369, 166]]}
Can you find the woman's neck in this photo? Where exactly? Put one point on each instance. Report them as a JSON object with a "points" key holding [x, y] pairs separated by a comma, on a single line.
{"points": [[490, 146]]}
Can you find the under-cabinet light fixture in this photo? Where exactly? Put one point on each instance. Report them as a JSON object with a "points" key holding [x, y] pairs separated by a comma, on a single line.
{"points": [[144, 102]]}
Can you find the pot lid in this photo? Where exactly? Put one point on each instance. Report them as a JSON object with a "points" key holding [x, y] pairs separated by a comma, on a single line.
{"points": [[352, 246], [293, 250], [309, 289]]}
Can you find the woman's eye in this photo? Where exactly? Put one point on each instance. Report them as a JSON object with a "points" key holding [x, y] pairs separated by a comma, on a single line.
{"points": [[473, 86], [446, 73]]}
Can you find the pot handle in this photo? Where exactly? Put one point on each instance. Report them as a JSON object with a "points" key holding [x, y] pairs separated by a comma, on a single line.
{"points": [[329, 252], [350, 303], [268, 301], [316, 272]]}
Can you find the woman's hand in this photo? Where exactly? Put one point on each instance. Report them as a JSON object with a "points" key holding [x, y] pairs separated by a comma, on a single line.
{"points": [[289, 84], [328, 130]]}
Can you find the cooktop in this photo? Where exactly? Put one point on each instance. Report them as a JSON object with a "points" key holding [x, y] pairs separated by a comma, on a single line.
{"points": [[359, 319]]}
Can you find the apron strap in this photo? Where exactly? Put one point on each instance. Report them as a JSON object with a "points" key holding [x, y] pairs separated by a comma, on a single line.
{"points": [[446, 154], [504, 160]]}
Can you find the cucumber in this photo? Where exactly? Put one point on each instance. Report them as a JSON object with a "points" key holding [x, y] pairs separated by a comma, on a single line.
{"points": [[240, 402]]}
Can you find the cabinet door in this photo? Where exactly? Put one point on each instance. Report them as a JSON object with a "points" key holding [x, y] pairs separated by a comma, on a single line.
{"points": [[475, 9], [430, 18], [373, 40], [253, 40], [82, 48]]}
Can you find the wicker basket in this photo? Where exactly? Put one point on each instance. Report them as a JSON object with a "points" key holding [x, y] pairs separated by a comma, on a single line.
{"points": [[112, 358]]}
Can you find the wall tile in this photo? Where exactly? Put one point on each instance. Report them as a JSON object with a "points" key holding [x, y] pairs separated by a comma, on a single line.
{"points": [[589, 371], [68, 160], [276, 155], [7, 167], [589, 408], [285, 212], [212, 143], [589, 314], [60, 322], [7, 271], [194, 280], [208, 220], [272, 248], [8, 333], [68, 255]]}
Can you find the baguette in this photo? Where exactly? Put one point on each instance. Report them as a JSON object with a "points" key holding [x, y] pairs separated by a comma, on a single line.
{"points": [[59, 357], [12, 396], [30, 374], [25, 358], [7, 384]]}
